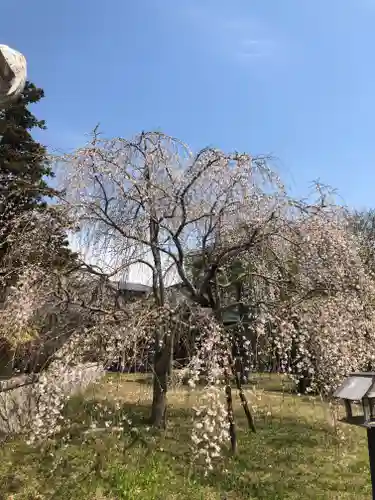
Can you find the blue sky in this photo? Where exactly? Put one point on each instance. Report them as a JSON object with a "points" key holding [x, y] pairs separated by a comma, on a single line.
{"points": [[288, 77]]}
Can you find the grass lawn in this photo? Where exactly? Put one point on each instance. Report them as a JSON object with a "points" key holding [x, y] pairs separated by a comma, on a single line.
{"points": [[297, 453]]}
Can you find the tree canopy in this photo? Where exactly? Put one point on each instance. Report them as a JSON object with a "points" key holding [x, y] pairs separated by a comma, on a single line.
{"points": [[25, 170], [224, 225]]}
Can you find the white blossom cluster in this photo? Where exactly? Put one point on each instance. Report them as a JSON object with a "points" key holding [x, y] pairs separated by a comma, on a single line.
{"points": [[209, 367]]}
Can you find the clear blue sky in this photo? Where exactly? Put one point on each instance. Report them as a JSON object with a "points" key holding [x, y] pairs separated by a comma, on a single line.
{"points": [[289, 77]]}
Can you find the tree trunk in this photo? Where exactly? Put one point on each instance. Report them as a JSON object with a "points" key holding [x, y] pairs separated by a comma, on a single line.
{"points": [[159, 400], [238, 366], [232, 424], [160, 381], [6, 361], [162, 357], [244, 403], [304, 383]]}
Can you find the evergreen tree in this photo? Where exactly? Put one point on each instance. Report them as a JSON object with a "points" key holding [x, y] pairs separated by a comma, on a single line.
{"points": [[24, 170]]}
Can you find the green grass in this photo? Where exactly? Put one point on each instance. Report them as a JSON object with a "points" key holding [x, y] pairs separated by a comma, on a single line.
{"points": [[297, 453]]}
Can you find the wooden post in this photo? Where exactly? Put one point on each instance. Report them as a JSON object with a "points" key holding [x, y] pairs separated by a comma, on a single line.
{"points": [[371, 452], [348, 408]]}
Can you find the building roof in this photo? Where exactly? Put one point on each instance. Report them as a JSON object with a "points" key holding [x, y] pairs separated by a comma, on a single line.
{"points": [[134, 287], [177, 294]]}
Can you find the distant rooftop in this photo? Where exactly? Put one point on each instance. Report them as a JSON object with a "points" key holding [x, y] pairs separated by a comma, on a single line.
{"points": [[177, 293], [134, 287]]}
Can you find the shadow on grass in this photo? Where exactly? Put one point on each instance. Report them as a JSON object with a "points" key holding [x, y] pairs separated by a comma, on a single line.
{"points": [[268, 382], [292, 459], [271, 382], [285, 458]]}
